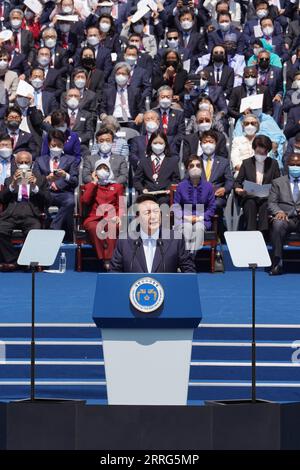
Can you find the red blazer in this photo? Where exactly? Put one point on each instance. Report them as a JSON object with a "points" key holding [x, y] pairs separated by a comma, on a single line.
{"points": [[94, 195]]}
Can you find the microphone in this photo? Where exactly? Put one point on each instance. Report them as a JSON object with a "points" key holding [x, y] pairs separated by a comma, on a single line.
{"points": [[137, 244], [160, 244]]}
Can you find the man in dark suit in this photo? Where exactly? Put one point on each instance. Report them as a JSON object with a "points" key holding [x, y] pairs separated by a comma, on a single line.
{"points": [[18, 63], [190, 38], [24, 197], [249, 88], [262, 8], [144, 58], [293, 122], [23, 39], [102, 54], [225, 27], [149, 252], [53, 79], [21, 140], [61, 172], [191, 142], [217, 169], [219, 72], [43, 100], [58, 54], [172, 42], [284, 207], [88, 98]]}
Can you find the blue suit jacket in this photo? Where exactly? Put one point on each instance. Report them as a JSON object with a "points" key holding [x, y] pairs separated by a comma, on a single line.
{"points": [[217, 37], [139, 79], [292, 125], [214, 92], [138, 146], [176, 126], [135, 100], [274, 81], [221, 174], [248, 31], [67, 163], [128, 257], [71, 147]]}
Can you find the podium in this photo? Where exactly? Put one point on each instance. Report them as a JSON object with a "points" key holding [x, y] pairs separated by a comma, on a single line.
{"points": [[147, 323]]}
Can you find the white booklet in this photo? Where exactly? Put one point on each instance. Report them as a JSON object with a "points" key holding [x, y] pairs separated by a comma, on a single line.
{"points": [[258, 190]]}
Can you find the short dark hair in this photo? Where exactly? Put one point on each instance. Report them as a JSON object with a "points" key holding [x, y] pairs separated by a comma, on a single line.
{"points": [[130, 47], [223, 13], [4, 136], [266, 18], [12, 109], [172, 30], [191, 159], [104, 130], [37, 68], [58, 116], [210, 133], [262, 141], [146, 197], [56, 134], [161, 134], [184, 11], [79, 70]]}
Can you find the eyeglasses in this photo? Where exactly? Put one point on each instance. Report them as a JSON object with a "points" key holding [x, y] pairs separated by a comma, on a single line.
{"points": [[250, 76], [250, 123]]}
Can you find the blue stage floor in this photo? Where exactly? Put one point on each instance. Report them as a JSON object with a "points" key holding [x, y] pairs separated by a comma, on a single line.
{"points": [[226, 298]]}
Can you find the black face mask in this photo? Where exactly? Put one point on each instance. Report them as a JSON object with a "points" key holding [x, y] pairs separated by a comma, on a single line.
{"points": [[13, 125], [172, 63], [88, 62], [264, 63], [218, 58]]}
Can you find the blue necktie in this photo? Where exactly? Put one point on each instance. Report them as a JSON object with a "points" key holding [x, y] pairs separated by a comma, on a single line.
{"points": [[296, 190], [4, 171]]}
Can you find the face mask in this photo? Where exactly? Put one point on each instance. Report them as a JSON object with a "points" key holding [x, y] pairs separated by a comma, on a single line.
{"points": [[218, 58], [262, 13], [62, 128], [130, 59], [260, 158], [65, 28], [5, 152], [93, 40], [204, 126], [186, 25], [208, 149], [268, 30], [37, 83], [24, 166], [195, 172], [158, 148], [104, 27], [29, 15], [165, 103], [73, 103], [296, 83], [257, 50], [56, 151], [151, 126], [203, 106], [16, 24], [173, 43], [88, 62], [80, 83], [224, 26], [50, 43], [22, 101], [203, 83], [13, 125], [105, 147], [294, 171], [250, 130], [67, 10], [121, 79], [264, 63], [296, 150], [43, 61], [3, 64], [250, 82], [138, 28], [102, 174], [172, 63]]}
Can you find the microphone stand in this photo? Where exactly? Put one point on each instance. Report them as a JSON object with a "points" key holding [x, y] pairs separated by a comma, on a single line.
{"points": [[137, 244], [160, 244]]}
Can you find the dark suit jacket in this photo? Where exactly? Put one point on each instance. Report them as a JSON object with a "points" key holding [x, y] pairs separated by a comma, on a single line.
{"points": [[27, 45], [168, 174], [54, 82], [227, 78], [138, 146], [67, 163], [240, 92], [176, 126], [84, 126], [191, 142], [217, 37], [281, 198], [24, 142], [248, 30], [96, 83], [104, 62], [88, 102], [135, 100], [130, 258], [73, 43], [214, 92], [37, 202], [178, 86], [248, 171], [221, 174], [19, 64], [196, 44], [292, 124], [274, 81], [49, 102], [139, 79]]}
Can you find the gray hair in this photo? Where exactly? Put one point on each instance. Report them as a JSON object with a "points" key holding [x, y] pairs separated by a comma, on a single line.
{"points": [[122, 65], [110, 121], [49, 29], [153, 112], [16, 10], [164, 88], [22, 153], [252, 116]]}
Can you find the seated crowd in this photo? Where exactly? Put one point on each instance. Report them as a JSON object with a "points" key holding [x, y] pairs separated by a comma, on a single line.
{"points": [[200, 94]]}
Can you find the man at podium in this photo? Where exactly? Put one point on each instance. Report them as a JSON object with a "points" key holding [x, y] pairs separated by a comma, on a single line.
{"points": [[150, 253]]}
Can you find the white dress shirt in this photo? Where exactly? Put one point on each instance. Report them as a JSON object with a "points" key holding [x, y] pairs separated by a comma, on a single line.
{"points": [[118, 106], [149, 245]]}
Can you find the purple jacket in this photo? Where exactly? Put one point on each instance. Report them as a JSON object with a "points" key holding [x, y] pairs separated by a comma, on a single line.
{"points": [[186, 193]]}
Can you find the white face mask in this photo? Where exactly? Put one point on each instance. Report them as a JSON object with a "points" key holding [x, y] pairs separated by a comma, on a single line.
{"points": [[250, 82], [72, 103], [105, 147], [203, 106], [37, 83], [102, 174], [104, 27], [186, 25], [131, 59], [172, 43], [195, 172], [43, 61], [165, 103], [93, 40], [224, 26], [68, 10], [208, 149], [24, 166], [203, 83], [16, 24], [56, 151], [296, 84], [158, 148], [5, 152], [151, 126], [262, 13], [204, 126], [80, 83], [260, 158], [3, 64], [50, 43], [268, 30], [250, 130], [121, 79]]}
